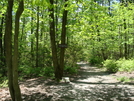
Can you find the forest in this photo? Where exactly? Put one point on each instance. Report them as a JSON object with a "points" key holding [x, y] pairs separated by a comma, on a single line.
{"points": [[47, 38]]}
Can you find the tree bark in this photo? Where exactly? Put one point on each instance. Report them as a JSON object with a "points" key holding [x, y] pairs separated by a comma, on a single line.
{"points": [[63, 39], [120, 45], [37, 38], [8, 47], [125, 39], [53, 42], [32, 41], [1, 44], [15, 53]]}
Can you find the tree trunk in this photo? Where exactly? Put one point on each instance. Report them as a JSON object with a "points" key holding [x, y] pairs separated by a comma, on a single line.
{"points": [[32, 41], [15, 56], [1, 45], [63, 40], [120, 45], [8, 47], [125, 39], [53, 42], [37, 38]]}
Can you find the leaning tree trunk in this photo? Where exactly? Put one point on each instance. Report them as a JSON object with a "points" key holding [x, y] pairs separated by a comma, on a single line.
{"points": [[15, 53]]}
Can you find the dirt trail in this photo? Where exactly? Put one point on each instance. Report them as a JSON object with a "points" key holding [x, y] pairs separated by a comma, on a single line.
{"points": [[91, 84]]}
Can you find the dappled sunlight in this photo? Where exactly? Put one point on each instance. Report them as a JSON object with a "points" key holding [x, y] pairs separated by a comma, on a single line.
{"points": [[50, 50], [91, 84]]}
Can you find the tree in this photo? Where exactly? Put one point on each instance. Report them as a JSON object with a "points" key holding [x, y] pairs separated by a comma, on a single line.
{"points": [[58, 65], [2, 50], [53, 41], [37, 39], [8, 47], [1, 42], [12, 61], [63, 38], [15, 57]]}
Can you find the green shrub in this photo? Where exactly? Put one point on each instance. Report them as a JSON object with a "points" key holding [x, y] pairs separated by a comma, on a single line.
{"points": [[29, 71], [119, 65], [70, 70], [47, 71], [110, 65], [36, 72], [95, 60], [125, 65]]}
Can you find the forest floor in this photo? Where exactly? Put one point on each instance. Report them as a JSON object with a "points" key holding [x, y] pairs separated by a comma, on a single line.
{"points": [[91, 84]]}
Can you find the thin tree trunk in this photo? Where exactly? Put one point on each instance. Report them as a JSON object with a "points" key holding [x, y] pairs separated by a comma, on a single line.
{"points": [[37, 38], [15, 56], [63, 40], [133, 40], [32, 41], [125, 39], [8, 47], [133, 47], [1, 37], [56, 22], [23, 28], [120, 45]]}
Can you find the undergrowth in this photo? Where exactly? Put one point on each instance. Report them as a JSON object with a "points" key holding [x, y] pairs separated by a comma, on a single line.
{"points": [[121, 65], [3, 82], [111, 66], [123, 79], [31, 72], [70, 70]]}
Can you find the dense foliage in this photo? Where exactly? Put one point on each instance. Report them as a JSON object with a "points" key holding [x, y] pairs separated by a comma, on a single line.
{"points": [[121, 65], [96, 31]]}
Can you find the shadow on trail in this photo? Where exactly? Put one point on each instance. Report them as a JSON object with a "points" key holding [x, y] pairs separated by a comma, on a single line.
{"points": [[92, 75], [91, 84]]}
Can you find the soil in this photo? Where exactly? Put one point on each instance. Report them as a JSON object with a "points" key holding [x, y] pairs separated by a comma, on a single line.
{"points": [[91, 84]]}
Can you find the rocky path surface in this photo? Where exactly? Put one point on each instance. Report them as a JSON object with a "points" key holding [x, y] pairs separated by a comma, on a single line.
{"points": [[91, 84]]}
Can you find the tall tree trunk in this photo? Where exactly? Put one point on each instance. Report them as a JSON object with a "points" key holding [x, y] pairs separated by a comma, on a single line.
{"points": [[23, 28], [63, 39], [32, 41], [37, 38], [125, 39], [53, 42], [133, 40], [8, 47], [56, 23], [1, 45], [120, 45], [15, 53], [133, 47]]}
